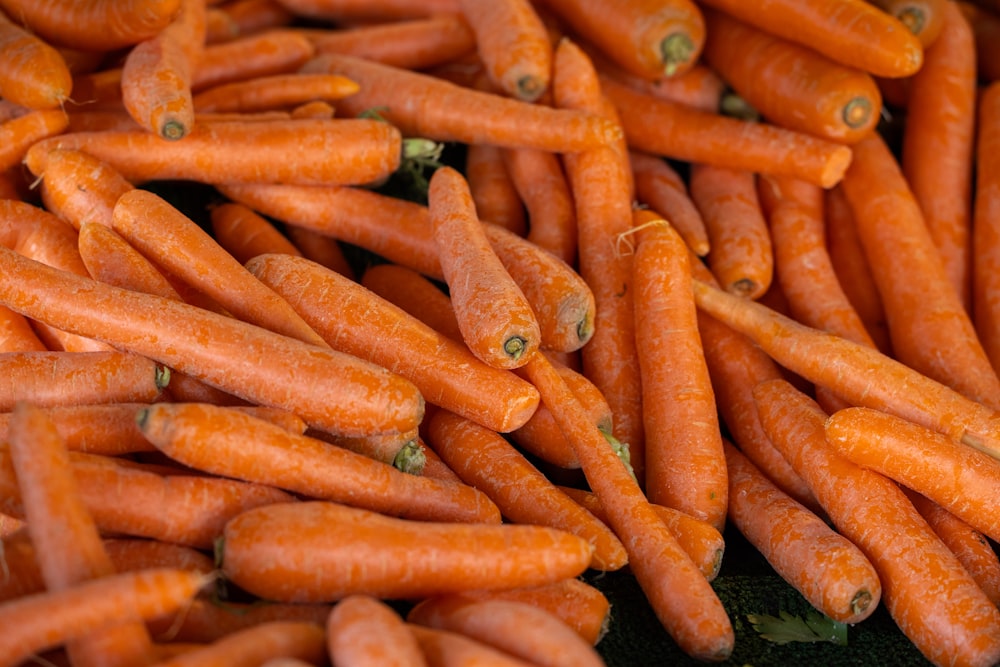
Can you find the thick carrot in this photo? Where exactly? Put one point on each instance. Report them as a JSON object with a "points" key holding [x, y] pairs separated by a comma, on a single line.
{"points": [[660, 187], [827, 568], [163, 330], [277, 91], [34, 75], [18, 134], [16, 334], [677, 131], [322, 249], [790, 84], [194, 434], [857, 373], [36, 622], [289, 553], [485, 118], [78, 188], [539, 179], [362, 629], [245, 234], [516, 628], [492, 189], [955, 476], [271, 52], [416, 43], [111, 259], [985, 227], [415, 293], [924, 18], [679, 594], [960, 627], [334, 151], [444, 647], [401, 450], [685, 463], [930, 329], [353, 319], [853, 32], [940, 130], [483, 459], [258, 644], [172, 240]]}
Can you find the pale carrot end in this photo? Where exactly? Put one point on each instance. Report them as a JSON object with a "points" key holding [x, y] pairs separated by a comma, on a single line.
{"points": [[676, 51], [174, 130], [857, 112], [530, 87], [836, 167]]}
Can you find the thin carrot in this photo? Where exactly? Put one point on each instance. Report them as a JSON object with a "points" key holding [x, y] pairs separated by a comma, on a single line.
{"points": [[516, 628], [858, 373], [401, 450], [444, 647], [314, 563], [322, 249], [924, 18], [246, 234], [930, 329], [524, 495], [679, 594], [685, 462], [986, 233], [415, 293], [21, 575], [854, 32], [660, 187], [256, 16], [940, 122], [496, 319], [281, 50], [219, 26], [255, 151], [362, 629], [111, 259], [35, 75], [962, 627], [492, 188], [353, 320], [366, 10], [486, 117], [162, 330], [789, 84], [194, 434], [206, 619], [741, 256], [45, 620], [264, 641], [539, 179], [674, 130], [273, 92], [827, 568], [16, 334]]}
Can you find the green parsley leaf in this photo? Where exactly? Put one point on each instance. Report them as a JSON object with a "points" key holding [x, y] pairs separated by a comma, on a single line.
{"points": [[786, 628]]}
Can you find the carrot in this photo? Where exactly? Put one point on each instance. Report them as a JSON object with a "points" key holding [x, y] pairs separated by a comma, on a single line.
{"points": [[415, 43], [246, 234], [21, 575], [486, 117], [161, 329], [660, 187], [962, 627], [674, 130], [924, 18], [443, 647], [366, 10], [540, 181], [649, 39], [496, 320], [493, 192], [255, 645], [77, 187], [256, 16], [483, 459], [273, 92], [194, 434], [742, 256], [17, 135], [415, 293], [700, 540], [679, 594], [401, 450], [515, 628], [685, 464], [16, 334], [970, 546], [827, 568], [940, 122], [45, 620], [321, 249], [922, 308], [489, 396], [790, 84], [111, 259], [171, 239], [219, 26], [35, 75], [985, 231], [955, 476], [416, 558], [281, 50], [362, 629], [855, 32], [206, 620], [857, 373], [255, 152], [985, 30]]}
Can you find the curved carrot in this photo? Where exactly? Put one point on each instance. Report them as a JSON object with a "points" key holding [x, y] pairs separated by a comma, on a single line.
{"points": [[492, 188], [940, 122], [539, 179], [871, 511], [985, 229], [353, 319], [853, 32], [827, 568], [195, 434], [660, 187], [277, 51], [486, 461], [414, 558], [789, 84], [263, 93], [685, 462], [362, 629], [258, 644], [924, 18], [35, 75]]}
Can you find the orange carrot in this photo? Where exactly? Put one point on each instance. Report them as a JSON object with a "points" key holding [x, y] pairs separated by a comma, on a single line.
{"points": [[276, 51], [35, 75], [962, 627], [366, 10], [985, 29], [246, 234], [483, 459], [401, 450], [16, 334], [78, 188], [277, 91], [315, 563], [415, 293], [660, 187], [685, 462], [17, 135], [206, 619], [194, 434], [924, 18], [321, 249], [258, 644], [539, 179], [352, 319], [111, 259], [443, 647], [985, 230], [493, 191], [256, 16], [362, 629]]}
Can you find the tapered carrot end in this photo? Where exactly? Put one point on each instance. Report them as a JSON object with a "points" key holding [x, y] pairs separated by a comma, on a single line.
{"points": [[836, 167], [677, 51]]}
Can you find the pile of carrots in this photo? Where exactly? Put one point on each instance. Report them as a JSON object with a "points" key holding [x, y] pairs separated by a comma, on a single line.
{"points": [[720, 265]]}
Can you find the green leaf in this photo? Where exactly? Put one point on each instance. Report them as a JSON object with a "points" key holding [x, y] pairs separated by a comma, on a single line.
{"points": [[786, 628]]}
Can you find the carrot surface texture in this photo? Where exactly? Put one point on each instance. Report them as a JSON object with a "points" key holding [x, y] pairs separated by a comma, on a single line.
{"points": [[34, 75]]}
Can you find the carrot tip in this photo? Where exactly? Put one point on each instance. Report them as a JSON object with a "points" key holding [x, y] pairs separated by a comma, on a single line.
{"points": [[585, 328], [162, 376], [173, 130], [515, 346], [913, 19], [141, 417], [410, 458], [861, 601], [530, 87], [676, 50], [857, 112]]}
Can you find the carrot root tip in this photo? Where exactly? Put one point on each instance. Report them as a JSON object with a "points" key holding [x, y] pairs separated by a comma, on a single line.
{"points": [[162, 376], [530, 87], [141, 417], [743, 287], [585, 328], [676, 50], [861, 601], [857, 112], [410, 458], [514, 347], [173, 130], [913, 19]]}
